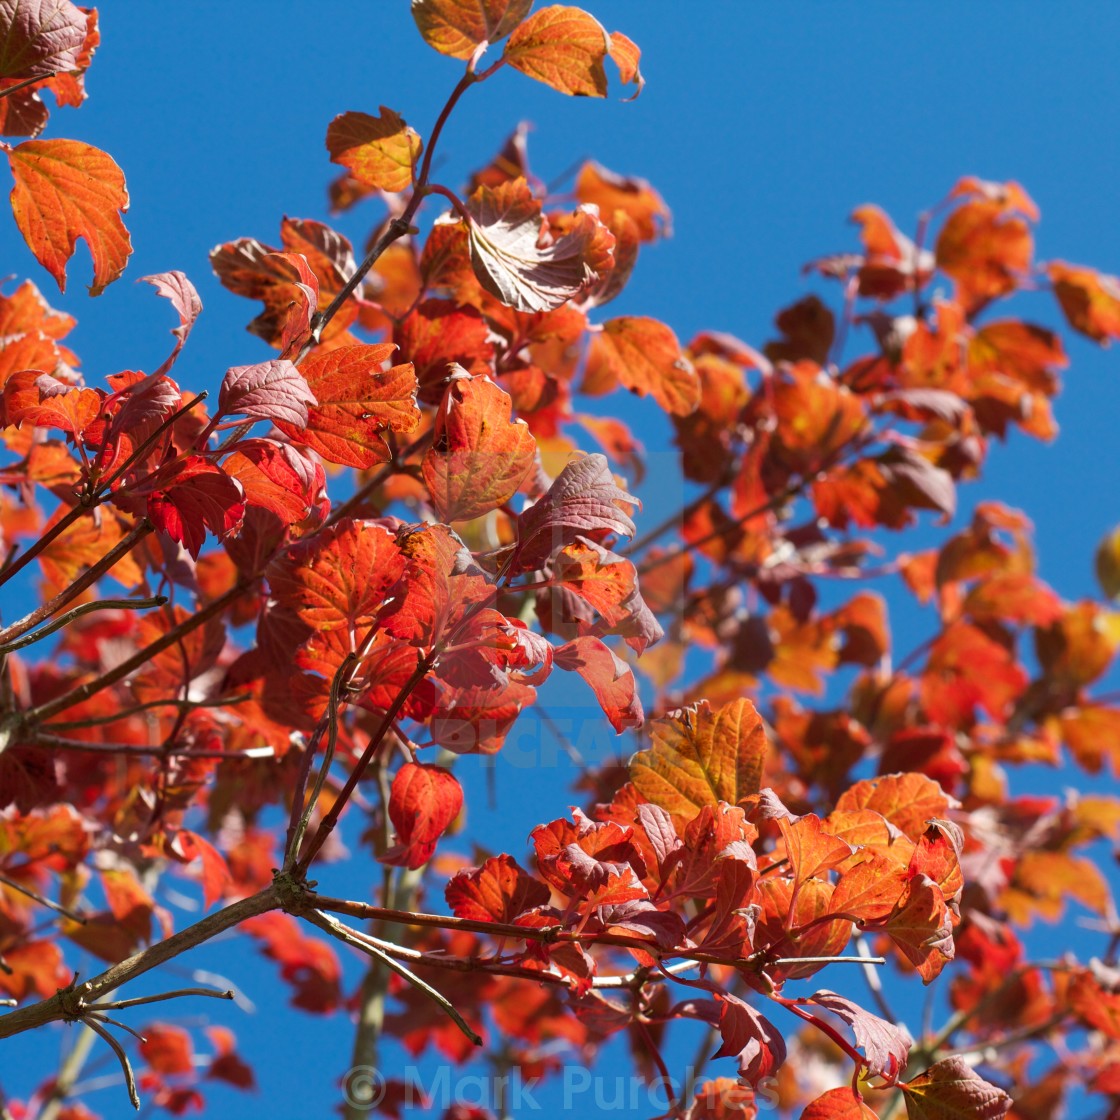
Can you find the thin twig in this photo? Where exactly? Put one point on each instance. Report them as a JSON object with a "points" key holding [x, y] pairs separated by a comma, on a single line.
{"points": [[42, 900], [28, 82], [122, 1057], [121, 1004], [78, 612], [86, 579], [335, 928]]}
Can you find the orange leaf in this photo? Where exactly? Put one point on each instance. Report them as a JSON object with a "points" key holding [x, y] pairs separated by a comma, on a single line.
{"points": [[380, 152], [357, 400], [65, 190], [562, 47], [839, 1104], [645, 356], [635, 197], [479, 456], [1090, 300], [701, 757], [458, 27], [906, 800], [986, 251], [338, 578]]}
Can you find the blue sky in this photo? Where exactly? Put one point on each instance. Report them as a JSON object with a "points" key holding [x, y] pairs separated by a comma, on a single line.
{"points": [[763, 126]]}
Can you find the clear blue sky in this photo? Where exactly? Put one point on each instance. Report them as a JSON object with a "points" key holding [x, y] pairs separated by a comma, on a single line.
{"points": [[763, 125]]}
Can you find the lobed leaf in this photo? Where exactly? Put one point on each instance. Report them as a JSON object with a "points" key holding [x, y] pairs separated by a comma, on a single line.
{"points": [[65, 190]]}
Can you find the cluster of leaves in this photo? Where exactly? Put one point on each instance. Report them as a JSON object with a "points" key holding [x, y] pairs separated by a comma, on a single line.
{"points": [[274, 648]]}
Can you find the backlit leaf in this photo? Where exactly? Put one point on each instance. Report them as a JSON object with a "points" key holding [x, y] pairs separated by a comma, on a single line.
{"points": [[479, 456], [563, 47], [1089, 299], [701, 757], [644, 356], [457, 27], [65, 190], [380, 152], [498, 891], [423, 801], [610, 678], [357, 399]]}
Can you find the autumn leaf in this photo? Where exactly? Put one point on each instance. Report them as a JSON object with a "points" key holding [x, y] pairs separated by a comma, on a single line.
{"points": [[583, 499], [610, 678], [500, 890], [950, 1090], [479, 456], [183, 297], [273, 391], [510, 262], [838, 1104], [701, 756], [380, 152], [986, 250], [885, 1045], [564, 48], [458, 27], [64, 190], [423, 801], [190, 496], [644, 356], [40, 38], [1089, 299], [357, 398], [609, 191]]}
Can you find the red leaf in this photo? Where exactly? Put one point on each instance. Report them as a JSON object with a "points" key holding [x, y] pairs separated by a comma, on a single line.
{"points": [[950, 1090], [423, 801], [610, 678], [65, 190], [175, 287], [271, 391], [41, 37], [479, 456], [584, 499], [216, 878], [885, 1045], [438, 335], [749, 1036], [47, 403], [498, 891], [509, 260], [276, 477], [191, 496], [458, 27], [357, 399], [167, 1049]]}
